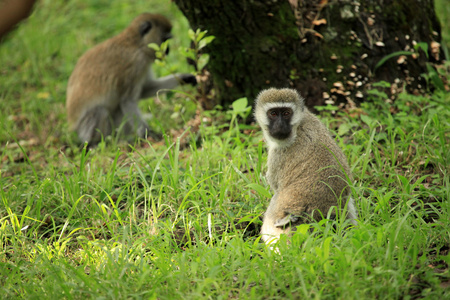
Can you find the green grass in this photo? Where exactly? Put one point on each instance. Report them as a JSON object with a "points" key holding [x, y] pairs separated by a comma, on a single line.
{"points": [[181, 218]]}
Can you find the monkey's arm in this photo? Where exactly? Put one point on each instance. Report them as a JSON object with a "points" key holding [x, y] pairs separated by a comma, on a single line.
{"points": [[269, 232], [277, 217], [153, 85], [287, 207]]}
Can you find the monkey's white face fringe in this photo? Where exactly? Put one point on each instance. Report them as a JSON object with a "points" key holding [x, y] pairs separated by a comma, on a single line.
{"points": [[274, 143]]}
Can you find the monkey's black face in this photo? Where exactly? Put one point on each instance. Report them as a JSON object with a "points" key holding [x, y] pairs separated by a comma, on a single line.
{"points": [[166, 37], [280, 122], [145, 27]]}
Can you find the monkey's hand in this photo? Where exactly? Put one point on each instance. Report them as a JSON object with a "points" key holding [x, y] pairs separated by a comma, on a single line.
{"points": [[188, 79], [289, 219]]}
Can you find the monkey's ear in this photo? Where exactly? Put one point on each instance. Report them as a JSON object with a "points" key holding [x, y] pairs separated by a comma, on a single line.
{"points": [[144, 28]]}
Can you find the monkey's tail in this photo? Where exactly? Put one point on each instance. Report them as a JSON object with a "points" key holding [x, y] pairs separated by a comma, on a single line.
{"points": [[352, 214]]}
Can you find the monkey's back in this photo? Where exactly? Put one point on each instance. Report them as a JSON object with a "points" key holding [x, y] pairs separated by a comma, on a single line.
{"points": [[317, 176]]}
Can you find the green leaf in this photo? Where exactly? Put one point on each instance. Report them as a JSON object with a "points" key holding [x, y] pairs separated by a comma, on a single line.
{"points": [[382, 83], [164, 46], [327, 107], [154, 46], [262, 191], [191, 34], [199, 35], [188, 53], [404, 180], [303, 228], [202, 61], [435, 79], [419, 181], [423, 46], [326, 247], [204, 42], [240, 105], [344, 128], [366, 119], [389, 56]]}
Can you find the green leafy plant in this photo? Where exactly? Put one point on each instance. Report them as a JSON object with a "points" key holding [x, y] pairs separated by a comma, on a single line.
{"points": [[433, 78], [199, 41], [195, 53], [160, 52]]}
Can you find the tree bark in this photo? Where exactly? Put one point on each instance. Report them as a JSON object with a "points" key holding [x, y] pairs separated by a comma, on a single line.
{"points": [[325, 49]]}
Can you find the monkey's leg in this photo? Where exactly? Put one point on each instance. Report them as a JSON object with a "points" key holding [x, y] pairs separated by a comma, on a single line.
{"points": [[121, 124], [285, 211], [269, 232], [94, 124], [135, 123]]}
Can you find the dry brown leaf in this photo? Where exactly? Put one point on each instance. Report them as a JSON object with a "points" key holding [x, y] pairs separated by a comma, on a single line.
{"points": [[30, 142], [228, 83], [294, 3], [319, 22]]}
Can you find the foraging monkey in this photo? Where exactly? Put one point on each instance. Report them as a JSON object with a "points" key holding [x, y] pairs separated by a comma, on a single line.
{"points": [[306, 168], [109, 79]]}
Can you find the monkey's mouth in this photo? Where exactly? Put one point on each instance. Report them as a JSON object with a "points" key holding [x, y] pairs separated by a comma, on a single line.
{"points": [[280, 134], [280, 130]]}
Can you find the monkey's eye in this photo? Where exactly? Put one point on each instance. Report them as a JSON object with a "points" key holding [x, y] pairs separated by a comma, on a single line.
{"points": [[144, 28], [286, 113], [272, 113]]}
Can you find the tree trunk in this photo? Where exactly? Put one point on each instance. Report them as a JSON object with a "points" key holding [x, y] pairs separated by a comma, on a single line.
{"points": [[328, 50]]}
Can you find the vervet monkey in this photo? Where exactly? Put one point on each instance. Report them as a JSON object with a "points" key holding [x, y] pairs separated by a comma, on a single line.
{"points": [[109, 79], [307, 170]]}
